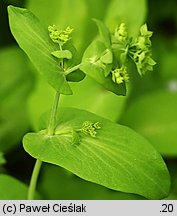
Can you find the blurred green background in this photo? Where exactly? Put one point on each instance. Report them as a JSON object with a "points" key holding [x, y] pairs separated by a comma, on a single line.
{"points": [[150, 107]]}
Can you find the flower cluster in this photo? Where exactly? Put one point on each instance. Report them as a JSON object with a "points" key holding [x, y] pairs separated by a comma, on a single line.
{"points": [[90, 128], [120, 75], [138, 49], [121, 33], [120, 41], [60, 37], [142, 54]]}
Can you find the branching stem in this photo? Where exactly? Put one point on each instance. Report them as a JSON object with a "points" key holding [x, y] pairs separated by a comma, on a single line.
{"points": [[70, 70]]}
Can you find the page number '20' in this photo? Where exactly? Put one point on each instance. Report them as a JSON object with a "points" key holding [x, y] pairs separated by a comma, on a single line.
{"points": [[167, 208]]}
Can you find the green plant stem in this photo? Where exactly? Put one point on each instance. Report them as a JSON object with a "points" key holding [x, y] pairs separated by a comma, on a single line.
{"points": [[51, 129], [62, 62], [34, 178], [52, 120], [72, 69]]}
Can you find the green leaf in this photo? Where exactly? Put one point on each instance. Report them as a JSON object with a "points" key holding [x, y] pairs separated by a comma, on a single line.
{"points": [[103, 33], [12, 189], [97, 70], [117, 157], [2, 160], [154, 116], [62, 54], [121, 11], [33, 38]]}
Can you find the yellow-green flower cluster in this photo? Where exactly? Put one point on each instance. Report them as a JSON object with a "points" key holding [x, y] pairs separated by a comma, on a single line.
{"points": [[121, 33], [90, 128], [142, 55], [120, 75], [61, 37], [138, 49]]}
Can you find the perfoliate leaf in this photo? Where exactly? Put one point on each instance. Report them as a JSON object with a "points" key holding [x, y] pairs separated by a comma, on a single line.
{"points": [[117, 157], [62, 54], [98, 70], [34, 39]]}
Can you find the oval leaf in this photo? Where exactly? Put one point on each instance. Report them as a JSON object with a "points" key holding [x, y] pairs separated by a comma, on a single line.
{"points": [[117, 157], [33, 38]]}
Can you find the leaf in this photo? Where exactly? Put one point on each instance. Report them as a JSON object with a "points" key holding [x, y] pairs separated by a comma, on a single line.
{"points": [[121, 11], [12, 189], [117, 158], [33, 38], [62, 54], [104, 33], [2, 160], [97, 70], [154, 116]]}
